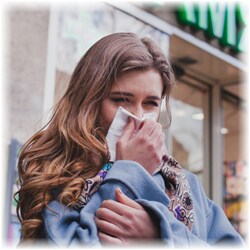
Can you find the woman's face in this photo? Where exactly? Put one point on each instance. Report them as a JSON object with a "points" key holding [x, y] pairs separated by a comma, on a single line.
{"points": [[139, 92]]}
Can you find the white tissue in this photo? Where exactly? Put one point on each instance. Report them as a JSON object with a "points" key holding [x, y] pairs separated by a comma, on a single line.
{"points": [[117, 125]]}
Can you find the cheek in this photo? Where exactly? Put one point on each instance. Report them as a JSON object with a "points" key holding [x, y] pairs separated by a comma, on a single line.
{"points": [[108, 112]]}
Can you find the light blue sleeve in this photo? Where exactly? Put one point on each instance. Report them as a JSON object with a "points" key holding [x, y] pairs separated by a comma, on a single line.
{"points": [[214, 223], [211, 223], [211, 226], [70, 228], [67, 227]]}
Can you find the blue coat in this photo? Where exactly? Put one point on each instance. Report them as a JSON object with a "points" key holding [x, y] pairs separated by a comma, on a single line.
{"points": [[73, 228]]}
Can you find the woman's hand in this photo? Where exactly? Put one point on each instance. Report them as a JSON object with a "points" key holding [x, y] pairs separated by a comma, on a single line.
{"points": [[146, 146], [124, 221]]}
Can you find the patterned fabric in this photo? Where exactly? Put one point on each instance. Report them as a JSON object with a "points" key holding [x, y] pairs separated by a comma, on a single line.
{"points": [[176, 188], [91, 186]]}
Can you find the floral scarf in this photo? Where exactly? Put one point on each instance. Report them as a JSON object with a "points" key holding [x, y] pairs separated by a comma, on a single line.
{"points": [[178, 190], [176, 187]]}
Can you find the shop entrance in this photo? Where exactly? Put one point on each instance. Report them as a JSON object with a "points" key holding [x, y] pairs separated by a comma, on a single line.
{"points": [[209, 125]]}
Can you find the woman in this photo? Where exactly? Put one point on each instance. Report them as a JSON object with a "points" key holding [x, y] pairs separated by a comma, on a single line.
{"points": [[65, 174]]}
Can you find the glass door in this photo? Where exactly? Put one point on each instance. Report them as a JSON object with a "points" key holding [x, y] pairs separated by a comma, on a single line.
{"points": [[189, 131], [235, 161]]}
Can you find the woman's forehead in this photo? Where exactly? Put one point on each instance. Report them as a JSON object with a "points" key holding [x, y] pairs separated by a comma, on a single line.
{"points": [[139, 81]]}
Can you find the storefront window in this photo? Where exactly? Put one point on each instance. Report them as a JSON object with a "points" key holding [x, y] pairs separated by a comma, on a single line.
{"points": [[79, 28], [189, 113], [235, 165]]}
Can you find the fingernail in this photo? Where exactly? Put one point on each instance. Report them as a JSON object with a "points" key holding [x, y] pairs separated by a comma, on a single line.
{"points": [[119, 191], [141, 124]]}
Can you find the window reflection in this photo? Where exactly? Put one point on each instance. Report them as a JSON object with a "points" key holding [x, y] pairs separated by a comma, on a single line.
{"points": [[188, 107]]}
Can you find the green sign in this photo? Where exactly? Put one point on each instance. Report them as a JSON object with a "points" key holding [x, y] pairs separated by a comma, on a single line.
{"points": [[224, 21]]}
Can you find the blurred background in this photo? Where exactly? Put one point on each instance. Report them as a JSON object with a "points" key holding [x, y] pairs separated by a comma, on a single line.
{"points": [[207, 44]]}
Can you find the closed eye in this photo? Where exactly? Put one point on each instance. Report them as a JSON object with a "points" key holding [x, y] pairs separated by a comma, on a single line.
{"points": [[120, 99], [152, 103]]}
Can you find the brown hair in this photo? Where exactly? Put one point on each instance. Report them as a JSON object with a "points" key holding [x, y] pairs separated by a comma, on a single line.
{"points": [[72, 147]]}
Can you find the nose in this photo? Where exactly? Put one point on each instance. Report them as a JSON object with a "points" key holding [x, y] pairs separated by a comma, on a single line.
{"points": [[137, 111]]}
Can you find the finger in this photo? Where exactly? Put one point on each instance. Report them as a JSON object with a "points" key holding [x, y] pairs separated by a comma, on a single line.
{"points": [[146, 127], [159, 140], [122, 198], [157, 132], [117, 207], [108, 215], [119, 222], [107, 239], [128, 130], [107, 227]]}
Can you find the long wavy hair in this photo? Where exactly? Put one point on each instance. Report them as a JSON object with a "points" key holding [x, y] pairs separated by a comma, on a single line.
{"points": [[72, 146]]}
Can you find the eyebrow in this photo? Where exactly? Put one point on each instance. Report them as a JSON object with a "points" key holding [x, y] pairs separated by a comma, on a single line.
{"points": [[121, 93]]}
